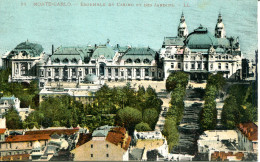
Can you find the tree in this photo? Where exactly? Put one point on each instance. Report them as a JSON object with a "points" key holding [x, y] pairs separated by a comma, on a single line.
{"points": [[13, 120], [176, 78], [230, 116], [150, 116], [142, 127], [129, 117]]}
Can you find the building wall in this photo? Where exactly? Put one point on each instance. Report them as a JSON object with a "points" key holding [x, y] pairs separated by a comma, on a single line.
{"points": [[149, 143], [13, 148], [97, 150]]}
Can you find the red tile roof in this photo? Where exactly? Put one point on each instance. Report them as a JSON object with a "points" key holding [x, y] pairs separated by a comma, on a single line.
{"points": [[53, 131], [19, 157], [250, 130], [83, 138], [27, 138], [118, 136], [2, 131]]}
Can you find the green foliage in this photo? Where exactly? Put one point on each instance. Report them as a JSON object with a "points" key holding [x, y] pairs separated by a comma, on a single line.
{"points": [[240, 106], [176, 83], [13, 120], [176, 78], [142, 127], [129, 117], [208, 114], [150, 116]]}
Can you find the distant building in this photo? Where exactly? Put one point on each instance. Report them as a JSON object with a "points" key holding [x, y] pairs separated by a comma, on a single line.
{"points": [[149, 141], [248, 137], [107, 144], [8, 102], [218, 141], [200, 53]]}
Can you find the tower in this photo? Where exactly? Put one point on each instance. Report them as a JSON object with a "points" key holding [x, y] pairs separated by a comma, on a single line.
{"points": [[182, 28], [220, 28]]}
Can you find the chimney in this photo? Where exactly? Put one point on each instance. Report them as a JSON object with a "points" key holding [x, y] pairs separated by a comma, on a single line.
{"points": [[52, 49]]}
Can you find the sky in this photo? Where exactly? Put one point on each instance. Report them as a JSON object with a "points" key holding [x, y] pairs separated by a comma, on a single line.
{"points": [[142, 23]]}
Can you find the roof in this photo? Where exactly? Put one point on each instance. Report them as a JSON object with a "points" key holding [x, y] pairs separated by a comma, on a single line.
{"points": [[173, 41], [136, 154], [118, 136], [70, 53], [2, 130], [27, 138], [201, 38], [250, 130], [32, 49], [9, 99], [101, 131], [83, 138], [141, 53], [103, 51], [53, 131]]}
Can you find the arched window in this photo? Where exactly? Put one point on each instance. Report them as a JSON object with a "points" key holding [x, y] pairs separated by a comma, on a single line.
{"points": [[227, 57], [129, 61], [74, 60], [219, 65], [147, 61], [137, 61], [219, 57], [57, 60], [65, 61]]}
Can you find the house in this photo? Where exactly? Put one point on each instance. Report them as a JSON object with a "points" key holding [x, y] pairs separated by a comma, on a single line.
{"points": [[21, 144], [248, 137], [107, 143], [151, 140]]}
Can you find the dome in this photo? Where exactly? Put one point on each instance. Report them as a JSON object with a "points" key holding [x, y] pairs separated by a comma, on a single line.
{"points": [[200, 39], [36, 145], [91, 78]]}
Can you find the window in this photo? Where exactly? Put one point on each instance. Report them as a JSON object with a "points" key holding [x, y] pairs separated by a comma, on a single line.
{"points": [[137, 72], [107, 145], [107, 155], [129, 72], [41, 73], [146, 61], [122, 73], [153, 74], [49, 73], [80, 73], [91, 155], [73, 72], [137, 61], [226, 65], [186, 66], [199, 66], [211, 66], [116, 72], [65, 61], [129, 61], [109, 71], [219, 65], [172, 65], [219, 57], [86, 71], [146, 72], [57, 60], [93, 70], [192, 66], [179, 65], [91, 145], [56, 72], [74, 60]]}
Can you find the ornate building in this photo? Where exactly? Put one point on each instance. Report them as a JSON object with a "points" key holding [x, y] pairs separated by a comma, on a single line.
{"points": [[200, 53]]}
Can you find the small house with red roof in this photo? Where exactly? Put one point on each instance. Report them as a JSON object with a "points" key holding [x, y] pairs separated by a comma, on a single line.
{"points": [[106, 143], [248, 137]]}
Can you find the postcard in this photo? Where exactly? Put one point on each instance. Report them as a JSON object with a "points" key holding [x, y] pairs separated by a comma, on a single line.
{"points": [[128, 80]]}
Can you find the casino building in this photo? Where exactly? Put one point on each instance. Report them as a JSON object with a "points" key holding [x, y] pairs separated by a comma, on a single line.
{"points": [[200, 52], [197, 53]]}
